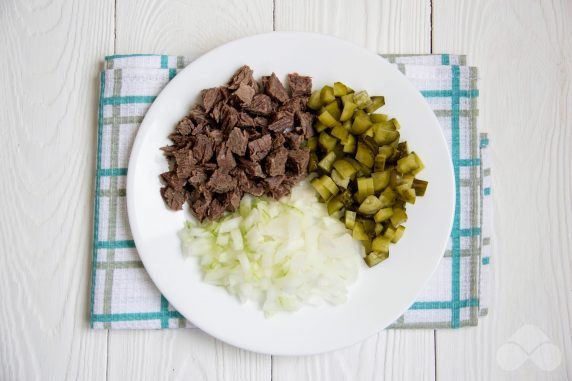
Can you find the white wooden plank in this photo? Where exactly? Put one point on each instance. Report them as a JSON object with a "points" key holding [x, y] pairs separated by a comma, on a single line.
{"points": [[187, 28], [388, 27], [182, 354], [523, 50], [392, 354], [50, 54]]}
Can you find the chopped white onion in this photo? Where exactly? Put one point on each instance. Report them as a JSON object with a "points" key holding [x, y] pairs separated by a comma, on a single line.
{"points": [[279, 254]]}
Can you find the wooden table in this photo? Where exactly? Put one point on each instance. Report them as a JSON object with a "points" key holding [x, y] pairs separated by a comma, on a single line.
{"points": [[51, 53]]}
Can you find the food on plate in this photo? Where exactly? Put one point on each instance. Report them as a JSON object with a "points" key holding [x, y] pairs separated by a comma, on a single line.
{"points": [[245, 138], [279, 254], [366, 175]]}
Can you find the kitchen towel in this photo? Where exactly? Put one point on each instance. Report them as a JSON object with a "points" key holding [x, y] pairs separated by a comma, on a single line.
{"points": [[123, 295]]}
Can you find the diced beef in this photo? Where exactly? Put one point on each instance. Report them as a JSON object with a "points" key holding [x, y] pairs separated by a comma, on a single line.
{"points": [[211, 97], [259, 148], [237, 142], [225, 159], [174, 198], [203, 149], [298, 161], [294, 140], [185, 126], [215, 210], [276, 162], [260, 105], [232, 200], [221, 182], [247, 184], [274, 88], [245, 120], [244, 94], [229, 117], [305, 120], [278, 140], [251, 168], [244, 138], [242, 76], [299, 85], [280, 125], [260, 121]]}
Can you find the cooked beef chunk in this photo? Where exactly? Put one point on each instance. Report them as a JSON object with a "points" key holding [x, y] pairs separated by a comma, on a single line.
{"points": [[259, 148], [276, 162], [306, 121], [251, 168], [245, 120], [221, 182], [260, 105], [263, 129], [174, 198], [274, 88], [299, 85], [242, 76], [229, 117], [211, 97], [298, 161], [203, 149], [282, 124], [244, 94], [185, 126], [237, 141]]}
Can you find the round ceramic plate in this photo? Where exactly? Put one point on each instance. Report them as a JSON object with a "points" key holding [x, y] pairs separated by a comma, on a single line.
{"points": [[381, 294]]}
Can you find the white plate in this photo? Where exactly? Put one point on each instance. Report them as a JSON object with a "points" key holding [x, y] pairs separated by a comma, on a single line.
{"points": [[381, 294]]}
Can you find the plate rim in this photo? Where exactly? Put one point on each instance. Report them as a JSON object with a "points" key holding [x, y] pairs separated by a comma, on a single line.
{"points": [[138, 142]]}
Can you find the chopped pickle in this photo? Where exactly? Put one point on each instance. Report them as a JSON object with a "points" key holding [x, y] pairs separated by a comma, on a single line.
{"points": [[342, 182], [348, 111], [345, 168], [364, 154], [398, 217], [362, 99], [327, 95], [340, 89], [420, 186], [314, 101], [383, 214], [350, 219], [360, 125], [326, 118], [376, 102], [370, 205], [358, 232], [333, 109], [398, 233], [340, 132], [327, 162], [368, 174], [375, 258], [379, 162], [377, 118]]}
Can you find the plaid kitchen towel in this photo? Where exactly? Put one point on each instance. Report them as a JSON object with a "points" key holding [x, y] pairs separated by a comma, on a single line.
{"points": [[123, 295]]}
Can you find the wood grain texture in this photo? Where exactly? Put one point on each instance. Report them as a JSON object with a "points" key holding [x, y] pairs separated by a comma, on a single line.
{"points": [[183, 354], [390, 355], [188, 28], [524, 53], [388, 27], [50, 54]]}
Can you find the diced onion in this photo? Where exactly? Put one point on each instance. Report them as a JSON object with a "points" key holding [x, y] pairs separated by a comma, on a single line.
{"points": [[278, 254]]}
